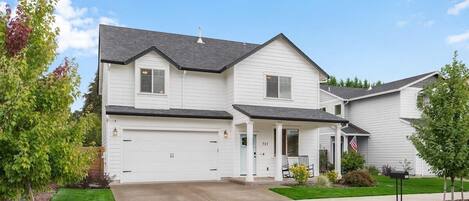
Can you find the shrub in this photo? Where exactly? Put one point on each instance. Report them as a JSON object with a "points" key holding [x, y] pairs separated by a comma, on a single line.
{"points": [[386, 170], [406, 165], [359, 178], [352, 161], [323, 181], [372, 170], [332, 176], [300, 173]]}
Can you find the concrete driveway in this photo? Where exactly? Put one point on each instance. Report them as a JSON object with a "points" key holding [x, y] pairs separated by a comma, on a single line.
{"points": [[193, 191]]}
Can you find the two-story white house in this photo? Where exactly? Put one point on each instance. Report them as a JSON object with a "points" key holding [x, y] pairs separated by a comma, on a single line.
{"points": [[380, 118], [181, 108]]}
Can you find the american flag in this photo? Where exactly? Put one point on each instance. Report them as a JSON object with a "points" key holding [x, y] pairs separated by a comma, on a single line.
{"points": [[354, 143]]}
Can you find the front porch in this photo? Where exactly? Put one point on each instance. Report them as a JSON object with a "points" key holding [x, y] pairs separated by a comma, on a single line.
{"points": [[261, 132]]}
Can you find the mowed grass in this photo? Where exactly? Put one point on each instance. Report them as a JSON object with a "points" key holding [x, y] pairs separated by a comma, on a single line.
{"points": [[67, 194], [385, 186]]}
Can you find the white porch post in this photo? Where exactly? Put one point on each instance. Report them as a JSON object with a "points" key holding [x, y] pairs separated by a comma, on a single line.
{"points": [[278, 156], [249, 151], [338, 154], [345, 145]]}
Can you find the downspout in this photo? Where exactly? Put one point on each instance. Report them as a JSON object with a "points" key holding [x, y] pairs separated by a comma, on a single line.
{"points": [[182, 88]]}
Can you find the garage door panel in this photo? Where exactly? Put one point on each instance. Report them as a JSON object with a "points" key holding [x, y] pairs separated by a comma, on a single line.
{"points": [[169, 156]]}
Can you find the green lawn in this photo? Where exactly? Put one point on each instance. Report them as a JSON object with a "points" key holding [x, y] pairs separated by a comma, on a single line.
{"points": [[385, 186], [68, 194]]}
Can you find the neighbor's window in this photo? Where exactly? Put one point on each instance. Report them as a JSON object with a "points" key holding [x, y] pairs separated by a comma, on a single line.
{"points": [[338, 109], [152, 81], [289, 142], [278, 87], [323, 109]]}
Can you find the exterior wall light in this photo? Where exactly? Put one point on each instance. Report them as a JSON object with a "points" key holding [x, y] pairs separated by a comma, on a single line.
{"points": [[225, 134], [114, 132]]}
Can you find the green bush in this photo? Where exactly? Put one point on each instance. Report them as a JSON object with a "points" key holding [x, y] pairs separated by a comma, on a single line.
{"points": [[352, 161], [372, 170], [323, 181], [332, 176], [359, 178], [300, 173]]}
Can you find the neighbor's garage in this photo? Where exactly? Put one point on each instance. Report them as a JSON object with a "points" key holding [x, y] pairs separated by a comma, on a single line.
{"points": [[169, 156]]}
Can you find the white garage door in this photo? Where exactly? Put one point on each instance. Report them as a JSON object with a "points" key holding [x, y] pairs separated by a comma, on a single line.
{"points": [[169, 156]]}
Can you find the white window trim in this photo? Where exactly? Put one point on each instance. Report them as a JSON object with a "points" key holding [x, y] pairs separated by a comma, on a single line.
{"points": [[278, 87], [166, 77]]}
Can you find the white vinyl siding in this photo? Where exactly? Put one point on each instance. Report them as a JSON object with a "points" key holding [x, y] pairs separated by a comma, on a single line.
{"points": [[408, 101], [280, 59], [388, 143], [121, 84]]}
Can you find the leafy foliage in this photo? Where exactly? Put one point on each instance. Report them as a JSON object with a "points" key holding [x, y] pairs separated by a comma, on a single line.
{"points": [[386, 170], [92, 110], [442, 135], [300, 173], [406, 165], [39, 143], [372, 170], [332, 176], [351, 161], [353, 83], [359, 178]]}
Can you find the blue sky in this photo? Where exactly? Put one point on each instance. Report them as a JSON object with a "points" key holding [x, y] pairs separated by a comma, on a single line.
{"points": [[376, 40]]}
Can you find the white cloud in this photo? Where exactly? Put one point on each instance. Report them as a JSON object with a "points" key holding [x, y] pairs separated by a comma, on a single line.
{"points": [[457, 8], [458, 38], [78, 27]]}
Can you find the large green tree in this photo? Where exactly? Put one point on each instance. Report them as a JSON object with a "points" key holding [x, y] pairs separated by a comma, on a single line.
{"points": [[92, 111], [39, 142], [442, 135]]}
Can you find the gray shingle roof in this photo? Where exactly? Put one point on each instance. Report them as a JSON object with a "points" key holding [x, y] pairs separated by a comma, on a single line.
{"points": [[181, 113], [352, 128], [350, 93], [290, 114], [122, 45]]}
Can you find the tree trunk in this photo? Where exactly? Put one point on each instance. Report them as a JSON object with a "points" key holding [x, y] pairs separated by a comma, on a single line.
{"points": [[444, 188], [30, 191], [462, 188], [452, 188]]}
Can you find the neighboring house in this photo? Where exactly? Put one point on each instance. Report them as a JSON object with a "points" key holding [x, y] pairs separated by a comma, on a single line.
{"points": [[380, 118], [180, 108]]}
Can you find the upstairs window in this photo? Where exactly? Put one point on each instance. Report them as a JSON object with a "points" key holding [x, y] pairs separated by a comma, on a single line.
{"points": [[152, 81], [338, 109], [278, 87]]}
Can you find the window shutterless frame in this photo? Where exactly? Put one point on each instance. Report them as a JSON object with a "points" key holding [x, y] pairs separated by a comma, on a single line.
{"points": [[151, 73], [279, 81]]}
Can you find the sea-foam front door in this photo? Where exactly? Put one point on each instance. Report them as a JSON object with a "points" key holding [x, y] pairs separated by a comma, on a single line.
{"points": [[243, 149]]}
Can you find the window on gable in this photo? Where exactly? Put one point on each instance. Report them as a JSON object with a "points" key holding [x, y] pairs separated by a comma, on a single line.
{"points": [[278, 87], [338, 109], [152, 81]]}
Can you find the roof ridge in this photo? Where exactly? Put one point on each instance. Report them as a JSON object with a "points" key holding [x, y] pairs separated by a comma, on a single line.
{"points": [[407, 78], [177, 34]]}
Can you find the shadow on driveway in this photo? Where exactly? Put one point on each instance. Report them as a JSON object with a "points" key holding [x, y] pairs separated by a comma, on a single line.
{"points": [[194, 191]]}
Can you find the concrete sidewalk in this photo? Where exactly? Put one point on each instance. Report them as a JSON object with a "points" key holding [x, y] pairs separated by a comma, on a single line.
{"points": [[415, 197]]}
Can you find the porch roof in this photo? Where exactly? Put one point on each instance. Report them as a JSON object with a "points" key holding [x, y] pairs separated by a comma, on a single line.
{"points": [[288, 114], [353, 129], [181, 113]]}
